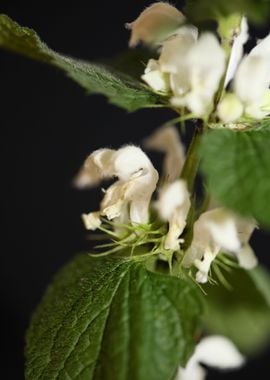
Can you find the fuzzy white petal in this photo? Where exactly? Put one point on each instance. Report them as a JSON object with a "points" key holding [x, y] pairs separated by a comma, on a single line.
{"points": [[252, 79], [173, 205], [218, 352], [167, 140], [262, 48], [171, 197], [173, 54], [246, 257], [223, 229], [214, 351], [201, 69], [155, 78], [207, 64], [193, 371], [155, 23], [96, 167], [237, 50]]}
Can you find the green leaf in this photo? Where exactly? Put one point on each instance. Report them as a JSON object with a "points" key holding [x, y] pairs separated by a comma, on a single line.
{"points": [[243, 313], [110, 318], [237, 167], [202, 10], [121, 89]]}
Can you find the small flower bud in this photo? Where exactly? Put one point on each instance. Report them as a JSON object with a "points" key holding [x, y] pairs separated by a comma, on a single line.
{"points": [[230, 108]]}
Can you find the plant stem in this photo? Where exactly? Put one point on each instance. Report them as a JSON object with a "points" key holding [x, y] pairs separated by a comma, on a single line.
{"points": [[191, 165]]}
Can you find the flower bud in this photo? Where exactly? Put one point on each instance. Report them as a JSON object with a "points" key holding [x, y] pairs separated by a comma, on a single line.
{"points": [[155, 24], [230, 108]]}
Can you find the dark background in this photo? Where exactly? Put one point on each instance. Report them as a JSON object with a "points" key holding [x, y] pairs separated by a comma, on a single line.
{"points": [[48, 126]]}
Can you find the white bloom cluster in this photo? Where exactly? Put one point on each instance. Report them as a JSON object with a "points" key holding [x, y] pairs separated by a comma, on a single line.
{"points": [[193, 67], [128, 200], [215, 351]]}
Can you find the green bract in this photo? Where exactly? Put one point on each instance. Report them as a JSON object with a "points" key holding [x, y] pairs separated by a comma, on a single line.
{"points": [[112, 319]]}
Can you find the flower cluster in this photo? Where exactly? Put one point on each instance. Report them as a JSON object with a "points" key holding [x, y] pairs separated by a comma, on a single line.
{"points": [[128, 201], [198, 73]]}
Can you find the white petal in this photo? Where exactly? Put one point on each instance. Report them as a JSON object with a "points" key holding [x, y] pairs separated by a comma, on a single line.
{"points": [[218, 352], [223, 229], [139, 211], [155, 78], [173, 205], [206, 62], [96, 167], [260, 109], [155, 24], [230, 108], [245, 228], [262, 48], [237, 50], [174, 51], [252, 79], [135, 169], [167, 140], [113, 202], [246, 257], [193, 371], [92, 220], [129, 162], [172, 196]]}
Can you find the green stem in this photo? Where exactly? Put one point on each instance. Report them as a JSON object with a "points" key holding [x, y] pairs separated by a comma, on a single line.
{"points": [[191, 165]]}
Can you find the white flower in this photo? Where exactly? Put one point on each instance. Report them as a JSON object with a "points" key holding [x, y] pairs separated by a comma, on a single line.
{"points": [[155, 24], [251, 85], [129, 197], [200, 71], [214, 351], [215, 231], [166, 139], [155, 78], [173, 206]]}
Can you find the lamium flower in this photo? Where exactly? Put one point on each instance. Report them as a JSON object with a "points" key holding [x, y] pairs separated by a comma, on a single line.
{"points": [[193, 66], [129, 197], [219, 230], [215, 351], [155, 24], [173, 206], [251, 86], [173, 202]]}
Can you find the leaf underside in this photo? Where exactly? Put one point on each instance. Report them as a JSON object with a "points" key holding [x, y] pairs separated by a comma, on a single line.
{"points": [[242, 313], [121, 89], [237, 168], [112, 319]]}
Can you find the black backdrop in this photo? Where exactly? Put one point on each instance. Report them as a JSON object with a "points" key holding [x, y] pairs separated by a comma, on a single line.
{"points": [[48, 126]]}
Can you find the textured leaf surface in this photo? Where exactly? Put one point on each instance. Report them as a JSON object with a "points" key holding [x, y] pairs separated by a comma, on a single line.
{"points": [[121, 89], [201, 10], [243, 313], [237, 167], [112, 319]]}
